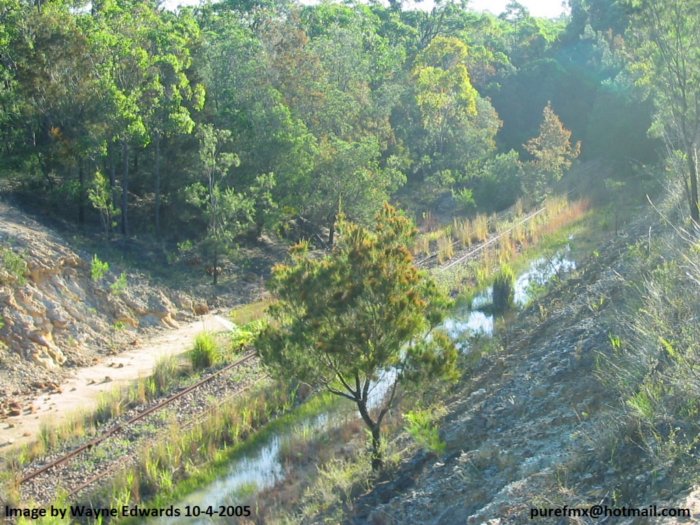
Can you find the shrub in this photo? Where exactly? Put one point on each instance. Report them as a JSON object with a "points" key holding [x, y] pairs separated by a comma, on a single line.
{"points": [[244, 336], [98, 269], [165, 373], [420, 424], [14, 265], [464, 200], [204, 353], [503, 290], [118, 287]]}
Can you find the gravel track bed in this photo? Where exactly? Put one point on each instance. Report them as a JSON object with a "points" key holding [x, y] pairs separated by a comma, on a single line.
{"points": [[121, 449]]}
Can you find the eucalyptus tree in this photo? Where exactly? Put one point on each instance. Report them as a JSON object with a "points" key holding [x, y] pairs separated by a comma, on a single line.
{"points": [[174, 95], [666, 46], [62, 103], [458, 126], [227, 212]]}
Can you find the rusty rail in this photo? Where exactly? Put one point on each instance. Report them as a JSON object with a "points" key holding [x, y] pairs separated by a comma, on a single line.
{"points": [[116, 428], [118, 466], [422, 263]]}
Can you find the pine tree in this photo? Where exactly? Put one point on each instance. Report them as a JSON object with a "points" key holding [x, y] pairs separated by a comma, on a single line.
{"points": [[342, 320]]}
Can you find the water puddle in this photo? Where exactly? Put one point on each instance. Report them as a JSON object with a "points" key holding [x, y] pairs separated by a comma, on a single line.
{"points": [[474, 320], [263, 467], [542, 271]]}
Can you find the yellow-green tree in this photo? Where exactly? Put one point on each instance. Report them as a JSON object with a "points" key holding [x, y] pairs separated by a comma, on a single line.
{"points": [[444, 93], [358, 318], [552, 154]]}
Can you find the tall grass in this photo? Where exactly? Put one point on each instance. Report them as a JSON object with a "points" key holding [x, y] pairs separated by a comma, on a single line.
{"points": [[185, 459], [652, 362], [461, 228], [480, 227], [164, 375], [523, 235], [422, 245], [445, 249], [205, 352]]}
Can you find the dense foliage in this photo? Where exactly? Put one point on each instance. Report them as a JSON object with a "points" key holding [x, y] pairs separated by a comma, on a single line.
{"points": [[355, 321], [215, 122]]}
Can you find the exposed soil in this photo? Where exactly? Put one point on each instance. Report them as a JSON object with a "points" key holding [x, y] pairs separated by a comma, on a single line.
{"points": [[83, 389], [524, 428]]}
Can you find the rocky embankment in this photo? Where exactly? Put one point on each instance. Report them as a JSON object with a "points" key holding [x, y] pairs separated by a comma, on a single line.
{"points": [[527, 427], [55, 316]]}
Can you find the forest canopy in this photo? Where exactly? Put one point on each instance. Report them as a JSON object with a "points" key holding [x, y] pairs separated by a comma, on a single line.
{"points": [[212, 123]]}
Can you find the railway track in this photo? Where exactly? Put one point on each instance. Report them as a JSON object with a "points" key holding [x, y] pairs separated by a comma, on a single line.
{"points": [[430, 261], [245, 358], [121, 427], [119, 466]]}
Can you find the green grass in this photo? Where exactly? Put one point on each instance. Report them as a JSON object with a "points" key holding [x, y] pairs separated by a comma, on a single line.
{"points": [[219, 460], [247, 313], [14, 266], [205, 352]]}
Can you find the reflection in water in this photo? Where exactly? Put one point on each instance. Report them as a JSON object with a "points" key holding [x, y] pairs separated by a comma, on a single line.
{"points": [[473, 322], [540, 273], [476, 323], [262, 468]]}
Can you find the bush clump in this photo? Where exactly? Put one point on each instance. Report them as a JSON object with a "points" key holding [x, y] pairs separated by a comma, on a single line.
{"points": [[503, 290], [204, 354]]}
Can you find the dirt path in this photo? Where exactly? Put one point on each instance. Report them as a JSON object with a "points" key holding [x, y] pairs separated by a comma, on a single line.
{"points": [[82, 391]]}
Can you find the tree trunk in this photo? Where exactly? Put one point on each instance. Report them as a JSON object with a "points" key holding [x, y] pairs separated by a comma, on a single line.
{"points": [[331, 230], [125, 189], [215, 269], [81, 193], [375, 429], [112, 186], [157, 140], [693, 197], [377, 460]]}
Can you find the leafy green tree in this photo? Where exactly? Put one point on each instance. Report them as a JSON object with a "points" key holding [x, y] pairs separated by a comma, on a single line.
{"points": [[497, 185], [666, 37], [358, 318], [58, 81], [350, 179], [552, 154], [264, 206], [169, 113], [444, 92], [270, 137], [12, 12], [227, 213], [459, 126], [100, 197], [340, 83]]}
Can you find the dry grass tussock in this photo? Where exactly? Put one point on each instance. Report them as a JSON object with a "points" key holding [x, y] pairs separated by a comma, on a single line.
{"points": [[653, 359]]}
